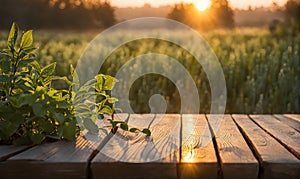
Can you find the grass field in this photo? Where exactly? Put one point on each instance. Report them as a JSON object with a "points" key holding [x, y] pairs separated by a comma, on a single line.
{"points": [[262, 71]]}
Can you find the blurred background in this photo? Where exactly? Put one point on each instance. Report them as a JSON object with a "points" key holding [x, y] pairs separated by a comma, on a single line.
{"points": [[257, 43], [201, 14]]}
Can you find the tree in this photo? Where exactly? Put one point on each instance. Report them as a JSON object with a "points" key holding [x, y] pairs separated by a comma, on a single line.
{"points": [[178, 13], [219, 15], [96, 13], [70, 14], [222, 13], [292, 13], [190, 15], [104, 14]]}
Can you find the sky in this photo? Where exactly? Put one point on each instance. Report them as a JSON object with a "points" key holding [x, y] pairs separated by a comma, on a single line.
{"points": [[234, 3]]}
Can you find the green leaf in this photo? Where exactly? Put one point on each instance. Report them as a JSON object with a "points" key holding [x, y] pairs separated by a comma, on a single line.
{"points": [[80, 96], [65, 79], [109, 82], [47, 126], [22, 99], [112, 100], [5, 65], [48, 70], [39, 109], [98, 87], [36, 138], [13, 35], [28, 51], [5, 79], [106, 109], [8, 112], [99, 84], [82, 107], [75, 77], [40, 89], [7, 129], [26, 40], [134, 130], [59, 117], [147, 132], [124, 126], [90, 126], [25, 62], [36, 66], [113, 125], [69, 130], [63, 105]]}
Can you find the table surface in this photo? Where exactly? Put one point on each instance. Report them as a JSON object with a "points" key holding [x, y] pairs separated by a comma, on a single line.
{"points": [[181, 146]]}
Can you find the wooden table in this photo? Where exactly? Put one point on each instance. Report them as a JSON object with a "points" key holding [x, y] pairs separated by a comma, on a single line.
{"points": [[242, 146]]}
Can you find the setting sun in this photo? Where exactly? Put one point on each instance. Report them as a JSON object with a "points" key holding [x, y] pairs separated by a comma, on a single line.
{"points": [[202, 5]]}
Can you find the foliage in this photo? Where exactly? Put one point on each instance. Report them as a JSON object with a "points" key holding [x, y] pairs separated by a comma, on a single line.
{"points": [[57, 14], [292, 12], [219, 15], [261, 70], [222, 13], [123, 125], [31, 110], [104, 14]]}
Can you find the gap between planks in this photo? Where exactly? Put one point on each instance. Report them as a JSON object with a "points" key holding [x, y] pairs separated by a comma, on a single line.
{"points": [[278, 163], [7, 151], [250, 144], [103, 143], [281, 132], [236, 157]]}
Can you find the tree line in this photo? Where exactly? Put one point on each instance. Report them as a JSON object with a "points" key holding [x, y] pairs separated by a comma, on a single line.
{"points": [[57, 14], [82, 14], [219, 15]]}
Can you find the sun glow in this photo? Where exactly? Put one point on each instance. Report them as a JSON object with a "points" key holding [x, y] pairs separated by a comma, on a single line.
{"points": [[202, 5]]}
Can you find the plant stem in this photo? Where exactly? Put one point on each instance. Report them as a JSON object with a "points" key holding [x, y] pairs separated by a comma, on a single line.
{"points": [[15, 68]]}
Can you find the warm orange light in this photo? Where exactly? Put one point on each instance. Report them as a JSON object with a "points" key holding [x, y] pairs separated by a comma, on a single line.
{"points": [[189, 157], [202, 5]]}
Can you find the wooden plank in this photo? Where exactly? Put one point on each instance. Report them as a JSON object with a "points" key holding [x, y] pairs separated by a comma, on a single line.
{"points": [[94, 139], [282, 132], [198, 156], [121, 116], [133, 155], [295, 117], [277, 162], [237, 160], [7, 151], [60, 159], [289, 121]]}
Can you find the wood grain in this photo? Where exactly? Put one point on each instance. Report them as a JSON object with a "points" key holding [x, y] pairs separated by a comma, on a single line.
{"points": [[289, 120], [273, 138], [281, 131], [198, 156], [296, 117], [276, 161], [60, 159], [237, 160], [129, 154], [7, 151]]}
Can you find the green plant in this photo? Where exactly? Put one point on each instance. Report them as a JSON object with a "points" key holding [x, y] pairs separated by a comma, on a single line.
{"points": [[258, 67], [123, 125], [31, 110]]}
